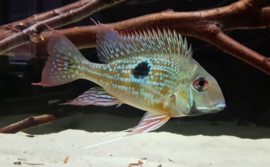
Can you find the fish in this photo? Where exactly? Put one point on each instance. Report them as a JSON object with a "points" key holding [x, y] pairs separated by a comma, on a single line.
{"points": [[149, 69]]}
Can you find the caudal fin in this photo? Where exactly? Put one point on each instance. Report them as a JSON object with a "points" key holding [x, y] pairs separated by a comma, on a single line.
{"points": [[63, 66]]}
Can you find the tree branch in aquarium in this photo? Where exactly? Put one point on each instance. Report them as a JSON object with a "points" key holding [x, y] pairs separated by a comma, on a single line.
{"points": [[28, 123], [208, 25], [28, 30], [8, 29], [230, 46]]}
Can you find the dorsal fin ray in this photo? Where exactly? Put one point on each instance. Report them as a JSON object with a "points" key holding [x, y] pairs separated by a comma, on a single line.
{"points": [[112, 44]]}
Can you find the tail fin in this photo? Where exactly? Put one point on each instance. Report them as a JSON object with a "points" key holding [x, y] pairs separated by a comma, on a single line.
{"points": [[63, 66]]}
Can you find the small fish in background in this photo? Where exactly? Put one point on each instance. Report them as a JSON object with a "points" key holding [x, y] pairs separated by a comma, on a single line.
{"points": [[152, 70]]}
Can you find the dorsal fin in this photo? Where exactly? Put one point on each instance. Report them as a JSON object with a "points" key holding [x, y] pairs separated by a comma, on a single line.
{"points": [[112, 44]]}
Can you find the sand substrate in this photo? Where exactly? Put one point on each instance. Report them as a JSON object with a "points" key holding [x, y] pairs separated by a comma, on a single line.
{"points": [[223, 145]]}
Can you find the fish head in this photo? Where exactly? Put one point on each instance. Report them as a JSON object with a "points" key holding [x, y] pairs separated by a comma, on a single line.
{"points": [[202, 94], [205, 93]]}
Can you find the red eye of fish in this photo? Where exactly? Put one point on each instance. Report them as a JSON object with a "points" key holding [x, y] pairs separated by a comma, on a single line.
{"points": [[200, 84]]}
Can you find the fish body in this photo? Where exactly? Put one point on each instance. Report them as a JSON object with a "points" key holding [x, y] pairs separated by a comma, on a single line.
{"points": [[152, 70], [148, 92]]}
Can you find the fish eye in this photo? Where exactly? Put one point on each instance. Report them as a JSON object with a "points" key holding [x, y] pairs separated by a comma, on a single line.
{"points": [[200, 83]]}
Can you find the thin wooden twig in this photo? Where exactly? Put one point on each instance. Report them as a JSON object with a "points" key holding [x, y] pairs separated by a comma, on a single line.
{"points": [[55, 18], [6, 30], [28, 123]]}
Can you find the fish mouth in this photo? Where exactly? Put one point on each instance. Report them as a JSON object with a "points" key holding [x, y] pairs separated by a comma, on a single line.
{"points": [[207, 110], [220, 107], [198, 110], [216, 108]]}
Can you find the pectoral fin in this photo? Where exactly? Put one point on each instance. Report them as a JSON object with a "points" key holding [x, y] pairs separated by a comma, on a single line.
{"points": [[95, 96]]}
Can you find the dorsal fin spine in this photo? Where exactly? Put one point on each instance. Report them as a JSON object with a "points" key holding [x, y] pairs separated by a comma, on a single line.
{"points": [[167, 37], [171, 42], [185, 46], [145, 39], [159, 44], [142, 41], [150, 39], [132, 36], [180, 44], [113, 44], [175, 41]]}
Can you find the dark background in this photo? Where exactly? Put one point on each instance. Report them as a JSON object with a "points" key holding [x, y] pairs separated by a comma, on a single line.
{"points": [[246, 89]]}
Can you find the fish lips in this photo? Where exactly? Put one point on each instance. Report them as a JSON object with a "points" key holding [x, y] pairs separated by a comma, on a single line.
{"points": [[206, 110]]}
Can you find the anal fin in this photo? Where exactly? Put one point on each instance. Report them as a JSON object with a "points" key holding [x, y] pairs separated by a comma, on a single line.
{"points": [[95, 96], [148, 123]]}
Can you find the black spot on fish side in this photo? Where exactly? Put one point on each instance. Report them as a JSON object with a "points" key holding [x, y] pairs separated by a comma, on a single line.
{"points": [[141, 70]]}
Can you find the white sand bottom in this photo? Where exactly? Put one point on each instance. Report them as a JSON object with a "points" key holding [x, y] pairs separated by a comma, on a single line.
{"points": [[155, 149]]}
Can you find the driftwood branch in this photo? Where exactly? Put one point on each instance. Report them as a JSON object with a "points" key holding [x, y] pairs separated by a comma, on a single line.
{"points": [[28, 123], [208, 25], [8, 29], [28, 30]]}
